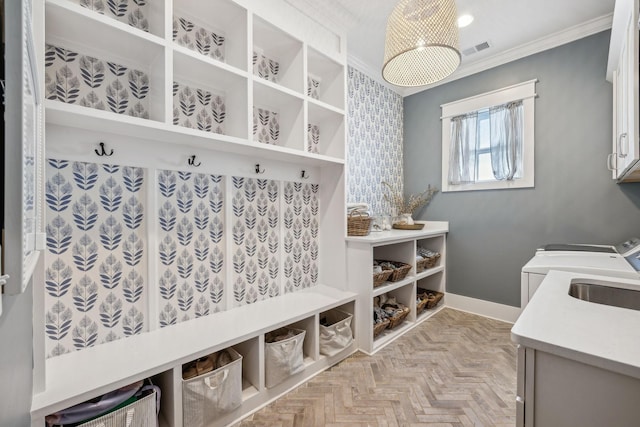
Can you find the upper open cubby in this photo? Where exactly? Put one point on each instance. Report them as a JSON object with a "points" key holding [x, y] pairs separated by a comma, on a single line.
{"points": [[215, 29], [325, 79], [146, 16], [92, 63], [278, 117], [325, 131], [277, 56], [208, 98]]}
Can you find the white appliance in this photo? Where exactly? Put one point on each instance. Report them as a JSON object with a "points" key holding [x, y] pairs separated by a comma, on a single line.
{"points": [[622, 260]]}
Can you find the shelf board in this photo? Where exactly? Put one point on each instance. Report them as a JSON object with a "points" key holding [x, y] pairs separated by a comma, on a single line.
{"points": [[319, 107], [105, 367], [428, 313], [68, 22], [277, 94], [390, 286], [75, 116], [185, 60], [429, 272], [389, 335], [248, 390]]}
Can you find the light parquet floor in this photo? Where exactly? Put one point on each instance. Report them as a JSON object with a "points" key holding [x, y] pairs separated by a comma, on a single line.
{"points": [[454, 369]]}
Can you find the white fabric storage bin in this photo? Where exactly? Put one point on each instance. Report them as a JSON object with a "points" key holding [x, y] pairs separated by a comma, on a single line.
{"points": [[283, 358], [337, 334], [141, 413], [207, 396]]}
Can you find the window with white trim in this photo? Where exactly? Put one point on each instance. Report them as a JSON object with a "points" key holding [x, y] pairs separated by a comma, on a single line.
{"points": [[488, 140]]}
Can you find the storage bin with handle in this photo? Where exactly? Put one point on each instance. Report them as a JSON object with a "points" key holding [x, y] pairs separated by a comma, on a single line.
{"points": [[133, 405], [285, 357], [206, 397], [335, 334]]}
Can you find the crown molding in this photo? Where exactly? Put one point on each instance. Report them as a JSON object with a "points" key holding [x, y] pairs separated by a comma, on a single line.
{"points": [[568, 35], [374, 74]]}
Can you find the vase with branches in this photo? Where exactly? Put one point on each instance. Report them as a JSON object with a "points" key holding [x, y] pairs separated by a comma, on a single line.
{"points": [[407, 206]]}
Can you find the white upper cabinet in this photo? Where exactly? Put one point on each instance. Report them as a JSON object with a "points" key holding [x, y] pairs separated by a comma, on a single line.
{"points": [[622, 71]]}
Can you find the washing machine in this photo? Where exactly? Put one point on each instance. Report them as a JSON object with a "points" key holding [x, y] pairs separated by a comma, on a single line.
{"points": [[621, 260]]}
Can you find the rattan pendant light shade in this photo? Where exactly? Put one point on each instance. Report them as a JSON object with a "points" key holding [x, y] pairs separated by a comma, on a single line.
{"points": [[421, 45]]}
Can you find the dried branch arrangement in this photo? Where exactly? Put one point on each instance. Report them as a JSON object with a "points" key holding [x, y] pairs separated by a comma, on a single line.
{"points": [[412, 204]]}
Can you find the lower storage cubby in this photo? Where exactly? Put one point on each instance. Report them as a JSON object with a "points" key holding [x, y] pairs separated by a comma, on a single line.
{"points": [[134, 405], [427, 299], [211, 387], [391, 309], [429, 294], [336, 331], [283, 354]]}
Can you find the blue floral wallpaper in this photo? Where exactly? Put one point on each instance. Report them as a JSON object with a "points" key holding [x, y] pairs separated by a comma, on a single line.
{"points": [[131, 12], [191, 245], [74, 78], [301, 226], [97, 287], [266, 126], [198, 108], [374, 123], [96, 269], [256, 239], [200, 39]]}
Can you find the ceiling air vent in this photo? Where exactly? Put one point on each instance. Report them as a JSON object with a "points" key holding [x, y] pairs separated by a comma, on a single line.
{"points": [[477, 48]]}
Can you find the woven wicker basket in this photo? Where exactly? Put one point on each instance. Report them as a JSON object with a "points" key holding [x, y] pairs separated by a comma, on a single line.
{"points": [[429, 299], [358, 224], [398, 317], [379, 327], [421, 303], [380, 278], [425, 263], [399, 272]]}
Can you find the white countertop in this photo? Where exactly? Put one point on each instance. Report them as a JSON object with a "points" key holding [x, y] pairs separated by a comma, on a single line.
{"points": [[600, 335], [431, 228]]}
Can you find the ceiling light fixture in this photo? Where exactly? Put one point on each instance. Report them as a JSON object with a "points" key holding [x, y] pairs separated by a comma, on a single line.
{"points": [[421, 45], [464, 20]]}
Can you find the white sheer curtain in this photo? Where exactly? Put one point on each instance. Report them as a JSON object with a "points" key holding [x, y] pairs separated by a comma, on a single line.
{"points": [[505, 144], [506, 140], [462, 161]]}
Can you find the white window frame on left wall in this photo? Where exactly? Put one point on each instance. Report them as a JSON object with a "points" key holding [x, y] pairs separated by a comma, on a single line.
{"points": [[525, 91]]}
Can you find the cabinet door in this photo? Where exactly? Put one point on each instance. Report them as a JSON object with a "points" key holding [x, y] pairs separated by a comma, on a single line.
{"points": [[626, 148]]}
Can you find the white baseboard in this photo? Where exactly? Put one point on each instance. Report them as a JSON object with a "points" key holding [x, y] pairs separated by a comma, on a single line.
{"points": [[505, 313]]}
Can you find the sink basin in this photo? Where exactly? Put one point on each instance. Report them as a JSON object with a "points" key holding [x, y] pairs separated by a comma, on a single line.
{"points": [[607, 295]]}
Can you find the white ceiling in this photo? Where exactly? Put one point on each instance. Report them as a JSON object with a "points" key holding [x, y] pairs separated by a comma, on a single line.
{"points": [[514, 28]]}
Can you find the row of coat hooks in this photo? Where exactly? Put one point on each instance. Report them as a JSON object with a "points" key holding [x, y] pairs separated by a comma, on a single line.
{"points": [[191, 161]]}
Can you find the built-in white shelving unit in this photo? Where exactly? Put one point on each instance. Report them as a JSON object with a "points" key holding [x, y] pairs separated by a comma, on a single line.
{"points": [[158, 126], [394, 245]]}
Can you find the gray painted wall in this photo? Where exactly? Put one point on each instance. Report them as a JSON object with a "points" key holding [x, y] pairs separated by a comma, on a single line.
{"points": [[494, 233]]}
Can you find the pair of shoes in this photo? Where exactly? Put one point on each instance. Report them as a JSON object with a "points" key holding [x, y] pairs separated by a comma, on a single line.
{"points": [[224, 358], [198, 367]]}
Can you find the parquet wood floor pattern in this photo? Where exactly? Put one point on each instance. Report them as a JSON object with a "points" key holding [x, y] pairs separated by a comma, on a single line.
{"points": [[454, 369]]}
